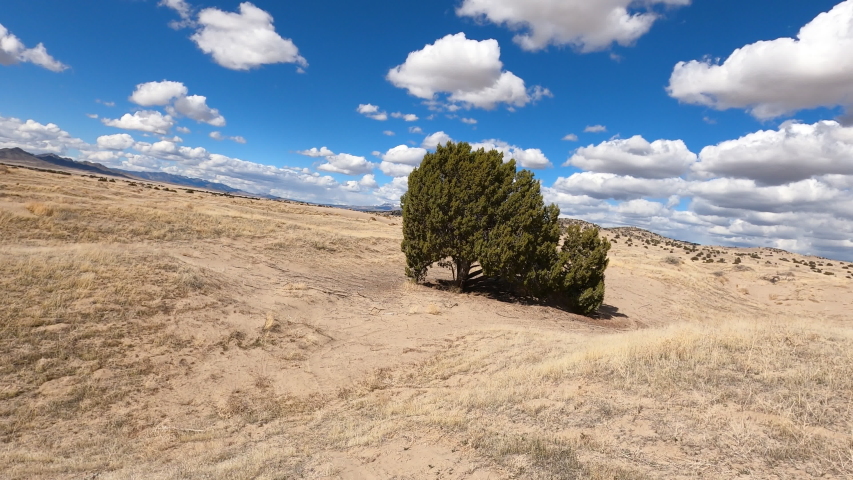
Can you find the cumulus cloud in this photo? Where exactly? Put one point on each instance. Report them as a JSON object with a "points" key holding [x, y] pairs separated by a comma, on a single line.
{"points": [[316, 152], [401, 160], [372, 111], [585, 25], [152, 94], [244, 40], [173, 95], [183, 130], [777, 77], [530, 158], [195, 107], [408, 117], [13, 51], [595, 129], [388, 133], [635, 156], [617, 187], [570, 138], [436, 139], [469, 72], [468, 121], [119, 141], [347, 164], [793, 152], [416, 130], [36, 137], [143, 121]]}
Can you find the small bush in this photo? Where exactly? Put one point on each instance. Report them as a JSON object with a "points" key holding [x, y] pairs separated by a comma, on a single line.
{"points": [[672, 260]]}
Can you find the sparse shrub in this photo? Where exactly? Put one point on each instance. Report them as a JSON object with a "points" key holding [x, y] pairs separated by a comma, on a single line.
{"points": [[737, 261], [4, 170], [465, 207], [828, 273], [672, 260], [102, 179]]}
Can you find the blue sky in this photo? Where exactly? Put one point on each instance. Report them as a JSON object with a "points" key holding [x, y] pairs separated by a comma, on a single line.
{"points": [[746, 143]]}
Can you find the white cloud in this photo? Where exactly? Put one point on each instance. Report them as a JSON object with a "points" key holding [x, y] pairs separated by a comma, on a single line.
{"points": [[408, 117], [570, 138], [119, 141], [219, 137], [583, 24], [635, 156], [391, 192], [778, 77], [388, 133], [104, 103], [316, 153], [347, 164], [470, 72], [529, 158], [183, 9], [144, 121], [195, 107], [173, 95], [372, 111], [183, 130], [401, 160], [468, 121], [368, 181], [595, 129], [93, 116], [405, 155], [415, 130], [36, 137], [152, 94], [793, 152], [244, 40], [435, 139], [395, 169], [13, 51], [608, 185], [746, 194]]}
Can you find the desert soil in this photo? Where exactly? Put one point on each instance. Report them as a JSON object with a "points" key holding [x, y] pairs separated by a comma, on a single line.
{"points": [[152, 332]]}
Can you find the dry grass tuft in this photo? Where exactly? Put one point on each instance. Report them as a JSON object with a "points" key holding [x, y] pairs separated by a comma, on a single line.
{"points": [[4, 170], [40, 209]]}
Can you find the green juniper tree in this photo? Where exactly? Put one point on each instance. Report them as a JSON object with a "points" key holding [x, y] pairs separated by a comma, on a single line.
{"points": [[465, 207]]}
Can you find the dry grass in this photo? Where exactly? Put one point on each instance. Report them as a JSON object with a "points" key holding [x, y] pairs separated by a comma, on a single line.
{"points": [[739, 397], [103, 322]]}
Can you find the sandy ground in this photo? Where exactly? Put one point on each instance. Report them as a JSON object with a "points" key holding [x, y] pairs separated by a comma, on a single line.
{"points": [[311, 304]]}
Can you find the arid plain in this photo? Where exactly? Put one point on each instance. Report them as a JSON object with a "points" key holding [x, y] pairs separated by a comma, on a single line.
{"points": [[152, 333]]}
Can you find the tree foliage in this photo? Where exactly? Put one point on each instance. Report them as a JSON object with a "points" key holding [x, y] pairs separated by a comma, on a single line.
{"points": [[467, 207]]}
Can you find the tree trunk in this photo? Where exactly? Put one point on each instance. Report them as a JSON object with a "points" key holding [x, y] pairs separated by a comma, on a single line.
{"points": [[463, 270]]}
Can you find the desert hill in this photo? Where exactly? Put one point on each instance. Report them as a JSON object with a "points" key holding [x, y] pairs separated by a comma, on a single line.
{"points": [[151, 333]]}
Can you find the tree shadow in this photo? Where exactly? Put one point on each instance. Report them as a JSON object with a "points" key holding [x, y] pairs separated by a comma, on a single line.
{"points": [[496, 289], [506, 292], [609, 312]]}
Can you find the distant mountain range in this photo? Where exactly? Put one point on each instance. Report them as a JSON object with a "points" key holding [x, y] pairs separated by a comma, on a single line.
{"points": [[49, 161]]}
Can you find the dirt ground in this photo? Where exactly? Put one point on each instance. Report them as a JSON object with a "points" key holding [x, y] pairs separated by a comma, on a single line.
{"points": [[148, 331]]}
